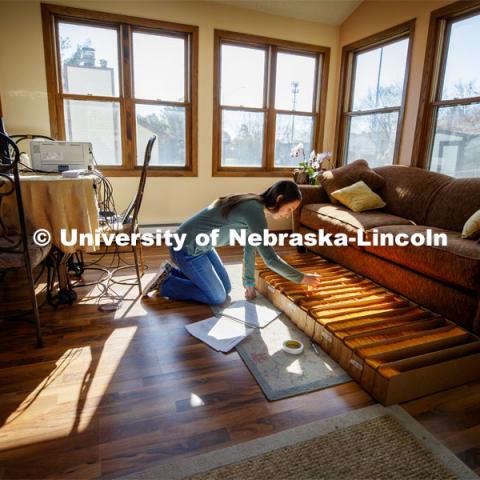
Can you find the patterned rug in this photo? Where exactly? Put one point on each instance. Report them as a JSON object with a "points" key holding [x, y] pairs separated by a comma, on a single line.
{"points": [[370, 443], [280, 374]]}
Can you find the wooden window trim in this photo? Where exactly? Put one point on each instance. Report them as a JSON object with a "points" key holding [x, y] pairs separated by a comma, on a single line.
{"points": [[125, 25], [271, 46], [347, 77], [434, 66]]}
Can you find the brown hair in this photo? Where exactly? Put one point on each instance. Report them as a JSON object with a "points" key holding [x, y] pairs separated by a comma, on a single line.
{"points": [[288, 189]]}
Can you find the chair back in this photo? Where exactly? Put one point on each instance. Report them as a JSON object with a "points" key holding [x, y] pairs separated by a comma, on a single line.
{"points": [[10, 183], [134, 207]]}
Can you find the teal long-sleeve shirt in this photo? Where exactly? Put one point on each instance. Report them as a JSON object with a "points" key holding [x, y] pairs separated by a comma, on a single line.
{"points": [[248, 215]]}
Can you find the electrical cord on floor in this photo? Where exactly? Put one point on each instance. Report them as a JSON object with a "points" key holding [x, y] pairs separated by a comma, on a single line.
{"points": [[109, 299], [109, 220]]}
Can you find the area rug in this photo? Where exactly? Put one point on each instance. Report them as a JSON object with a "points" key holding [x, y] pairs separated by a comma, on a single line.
{"points": [[280, 374], [370, 443]]}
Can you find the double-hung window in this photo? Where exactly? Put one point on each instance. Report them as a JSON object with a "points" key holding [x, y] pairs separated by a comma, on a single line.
{"points": [[448, 127], [115, 81], [269, 95], [373, 84]]}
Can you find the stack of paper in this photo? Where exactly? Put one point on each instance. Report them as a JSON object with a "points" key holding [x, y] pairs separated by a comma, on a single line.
{"points": [[222, 333], [234, 323], [251, 313]]}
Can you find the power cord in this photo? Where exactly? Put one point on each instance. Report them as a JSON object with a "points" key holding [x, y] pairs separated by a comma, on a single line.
{"points": [[109, 221]]}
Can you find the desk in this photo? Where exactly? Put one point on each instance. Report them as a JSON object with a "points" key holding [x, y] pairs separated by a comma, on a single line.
{"points": [[53, 203]]}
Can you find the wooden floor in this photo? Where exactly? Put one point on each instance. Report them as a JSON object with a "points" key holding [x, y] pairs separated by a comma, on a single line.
{"points": [[112, 392]]}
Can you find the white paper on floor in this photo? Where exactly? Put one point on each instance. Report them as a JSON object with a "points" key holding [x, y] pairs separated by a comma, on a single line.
{"points": [[220, 333], [257, 313]]}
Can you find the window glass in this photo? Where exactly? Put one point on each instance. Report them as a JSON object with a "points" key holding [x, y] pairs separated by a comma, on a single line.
{"points": [[290, 131], [456, 141], [462, 71], [97, 123], [89, 60], [159, 67], [295, 82], [168, 124], [242, 138], [242, 76], [372, 137], [379, 76]]}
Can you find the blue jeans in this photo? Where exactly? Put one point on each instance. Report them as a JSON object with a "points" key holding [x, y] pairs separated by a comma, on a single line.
{"points": [[201, 278]]}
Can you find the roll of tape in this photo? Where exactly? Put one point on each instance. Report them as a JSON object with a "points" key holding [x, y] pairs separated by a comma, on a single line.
{"points": [[294, 347]]}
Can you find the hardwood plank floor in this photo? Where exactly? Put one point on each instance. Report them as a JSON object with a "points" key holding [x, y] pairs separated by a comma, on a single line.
{"points": [[112, 392]]}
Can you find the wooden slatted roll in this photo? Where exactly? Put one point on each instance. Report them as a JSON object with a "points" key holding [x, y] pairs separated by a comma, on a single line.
{"points": [[395, 349]]}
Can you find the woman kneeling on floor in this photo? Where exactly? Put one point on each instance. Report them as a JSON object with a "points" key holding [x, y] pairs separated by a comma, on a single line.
{"points": [[200, 274]]}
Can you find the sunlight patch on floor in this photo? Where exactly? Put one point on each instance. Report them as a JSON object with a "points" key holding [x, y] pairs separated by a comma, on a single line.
{"points": [[196, 401], [283, 331], [67, 399], [295, 367]]}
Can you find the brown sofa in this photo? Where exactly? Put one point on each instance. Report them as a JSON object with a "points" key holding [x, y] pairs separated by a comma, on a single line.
{"points": [[443, 279]]}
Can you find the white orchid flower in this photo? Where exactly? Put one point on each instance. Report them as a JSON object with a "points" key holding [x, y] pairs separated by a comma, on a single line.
{"points": [[296, 150]]}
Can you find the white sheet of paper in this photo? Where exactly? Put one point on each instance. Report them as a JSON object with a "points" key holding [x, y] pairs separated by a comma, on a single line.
{"points": [[221, 334], [254, 314]]}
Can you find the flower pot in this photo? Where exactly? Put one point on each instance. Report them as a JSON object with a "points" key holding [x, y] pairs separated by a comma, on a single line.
{"points": [[300, 177]]}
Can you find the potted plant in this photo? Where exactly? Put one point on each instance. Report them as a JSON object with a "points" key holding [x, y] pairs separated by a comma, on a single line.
{"points": [[309, 170]]}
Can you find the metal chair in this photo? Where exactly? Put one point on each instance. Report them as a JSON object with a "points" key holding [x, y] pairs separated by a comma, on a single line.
{"points": [[128, 221], [17, 249]]}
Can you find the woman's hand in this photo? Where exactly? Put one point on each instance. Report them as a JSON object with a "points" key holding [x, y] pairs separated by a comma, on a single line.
{"points": [[250, 293], [311, 279]]}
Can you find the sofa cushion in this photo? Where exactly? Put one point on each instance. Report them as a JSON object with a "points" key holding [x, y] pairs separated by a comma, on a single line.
{"points": [[457, 263], [454, 204], [337, 219], [346, 175], [409, 192]]}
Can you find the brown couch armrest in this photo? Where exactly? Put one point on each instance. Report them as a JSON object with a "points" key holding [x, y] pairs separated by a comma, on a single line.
{"points": [[310, 194]]}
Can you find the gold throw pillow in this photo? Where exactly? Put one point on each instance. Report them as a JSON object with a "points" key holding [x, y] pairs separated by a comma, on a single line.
{"points": [[471, 229], [358, 197]]}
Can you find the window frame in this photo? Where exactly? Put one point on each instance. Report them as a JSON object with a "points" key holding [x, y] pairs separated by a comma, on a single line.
{"points": [[433, 77], [271, 47], [404, 30], [126, 26]]}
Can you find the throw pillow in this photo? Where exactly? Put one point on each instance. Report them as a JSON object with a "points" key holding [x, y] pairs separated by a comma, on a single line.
{"points": [[471, 229], [358, 197], [349, 174]]}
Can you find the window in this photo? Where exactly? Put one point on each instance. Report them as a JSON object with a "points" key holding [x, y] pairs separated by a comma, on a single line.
{"points": [[269, 95], [115, 81], [448, 126], [373, 83]]}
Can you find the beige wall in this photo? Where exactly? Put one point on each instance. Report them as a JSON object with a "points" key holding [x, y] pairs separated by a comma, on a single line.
{"points": [[167, 200], [374, 16]]}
